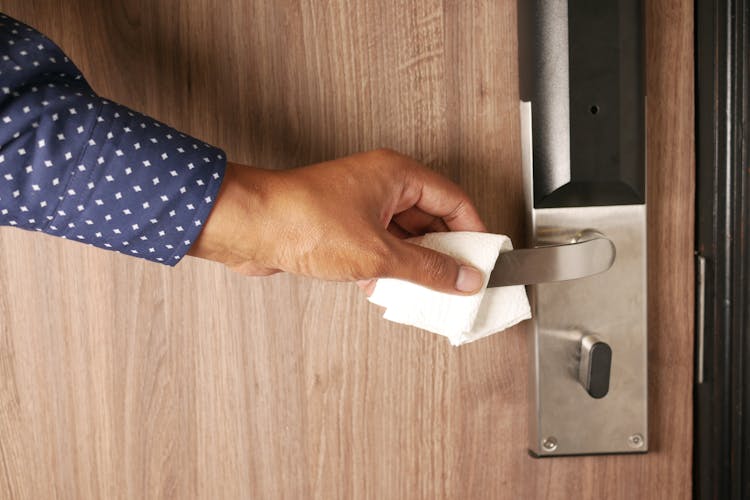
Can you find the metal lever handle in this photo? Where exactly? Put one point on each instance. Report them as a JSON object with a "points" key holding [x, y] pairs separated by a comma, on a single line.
{"points": [[590, 253]]}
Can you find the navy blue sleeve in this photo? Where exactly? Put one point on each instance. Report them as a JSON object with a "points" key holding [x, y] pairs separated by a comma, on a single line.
{"points": [[78, 166]]}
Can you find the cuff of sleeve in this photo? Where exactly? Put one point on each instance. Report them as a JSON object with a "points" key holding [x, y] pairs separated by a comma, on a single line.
{"points": [[140, 187], [209, 199]]}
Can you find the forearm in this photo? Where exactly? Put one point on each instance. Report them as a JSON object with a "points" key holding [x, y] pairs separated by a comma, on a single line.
{"points": [[81, 167]]}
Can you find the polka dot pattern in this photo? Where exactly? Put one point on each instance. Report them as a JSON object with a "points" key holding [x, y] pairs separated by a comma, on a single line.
{"points": [[87, 169]]}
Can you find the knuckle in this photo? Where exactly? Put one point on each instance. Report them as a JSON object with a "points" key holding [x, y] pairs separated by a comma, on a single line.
{"points": [[459, 210], [436, 267], [386, 152], [380, 262], [387, 158], [393, 164]]}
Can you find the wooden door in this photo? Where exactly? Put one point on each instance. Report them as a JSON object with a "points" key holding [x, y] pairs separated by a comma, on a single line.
{"points": [[123, 379]]}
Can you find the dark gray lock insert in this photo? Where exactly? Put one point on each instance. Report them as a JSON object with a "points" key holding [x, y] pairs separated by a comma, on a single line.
{"points": [[605, 53], [594, 366]]}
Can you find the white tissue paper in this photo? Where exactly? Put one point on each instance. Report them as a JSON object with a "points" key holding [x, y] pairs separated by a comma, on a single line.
{"points": [[461, 318]]}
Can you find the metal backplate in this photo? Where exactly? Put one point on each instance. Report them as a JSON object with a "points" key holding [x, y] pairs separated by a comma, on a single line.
{"points": [[566, 420]]}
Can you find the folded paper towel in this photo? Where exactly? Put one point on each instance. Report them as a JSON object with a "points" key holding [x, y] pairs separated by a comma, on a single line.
{"points": [[461, 318]]}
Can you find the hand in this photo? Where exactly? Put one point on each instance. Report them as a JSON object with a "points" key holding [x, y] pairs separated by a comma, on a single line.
{"points": [[342, 220]]}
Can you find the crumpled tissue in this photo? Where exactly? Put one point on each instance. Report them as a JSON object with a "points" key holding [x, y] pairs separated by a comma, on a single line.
{"points": [[464, 318]]}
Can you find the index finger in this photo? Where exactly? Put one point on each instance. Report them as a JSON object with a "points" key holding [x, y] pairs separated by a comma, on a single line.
{"points": [[437, 195]]}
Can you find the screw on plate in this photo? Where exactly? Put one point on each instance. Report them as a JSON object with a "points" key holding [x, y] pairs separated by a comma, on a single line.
{"points": [[636, 441], [549, 443]]}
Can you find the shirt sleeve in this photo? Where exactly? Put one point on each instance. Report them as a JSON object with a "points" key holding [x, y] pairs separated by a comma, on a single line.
{"points": [[81, 167]]}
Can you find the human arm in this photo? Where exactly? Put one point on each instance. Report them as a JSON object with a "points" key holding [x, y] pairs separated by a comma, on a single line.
{"points": [[78, 166]]}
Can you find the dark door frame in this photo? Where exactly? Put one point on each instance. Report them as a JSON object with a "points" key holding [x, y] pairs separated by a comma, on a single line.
{"points": [[721, 467]]}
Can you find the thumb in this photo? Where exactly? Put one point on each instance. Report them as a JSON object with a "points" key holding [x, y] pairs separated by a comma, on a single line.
{"points": [[435, 270]]}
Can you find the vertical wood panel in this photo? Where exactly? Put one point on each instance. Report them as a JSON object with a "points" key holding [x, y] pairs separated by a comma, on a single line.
{"points": [[124, 379]]}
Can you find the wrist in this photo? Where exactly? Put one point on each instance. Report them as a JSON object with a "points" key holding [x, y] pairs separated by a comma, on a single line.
{"points": [[227, 236]]}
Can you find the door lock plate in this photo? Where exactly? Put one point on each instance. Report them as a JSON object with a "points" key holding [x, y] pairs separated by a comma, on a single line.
{"points": [[611, 306]]}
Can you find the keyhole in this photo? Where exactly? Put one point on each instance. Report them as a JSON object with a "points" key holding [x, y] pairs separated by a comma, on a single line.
{"points": [[594, 109]]}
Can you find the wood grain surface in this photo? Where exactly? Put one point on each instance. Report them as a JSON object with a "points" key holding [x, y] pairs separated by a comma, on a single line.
{"points": [[124, 379]]}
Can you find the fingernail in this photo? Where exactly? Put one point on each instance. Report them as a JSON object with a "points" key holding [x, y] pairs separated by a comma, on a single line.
{"points": [[469, 279]]}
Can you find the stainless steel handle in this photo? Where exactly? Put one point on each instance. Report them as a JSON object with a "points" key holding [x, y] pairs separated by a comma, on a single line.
{"points": [[589, 253]]}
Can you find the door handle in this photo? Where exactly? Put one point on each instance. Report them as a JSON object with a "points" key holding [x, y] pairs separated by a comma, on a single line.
{"points": [[583, 156], [587, 253]]}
